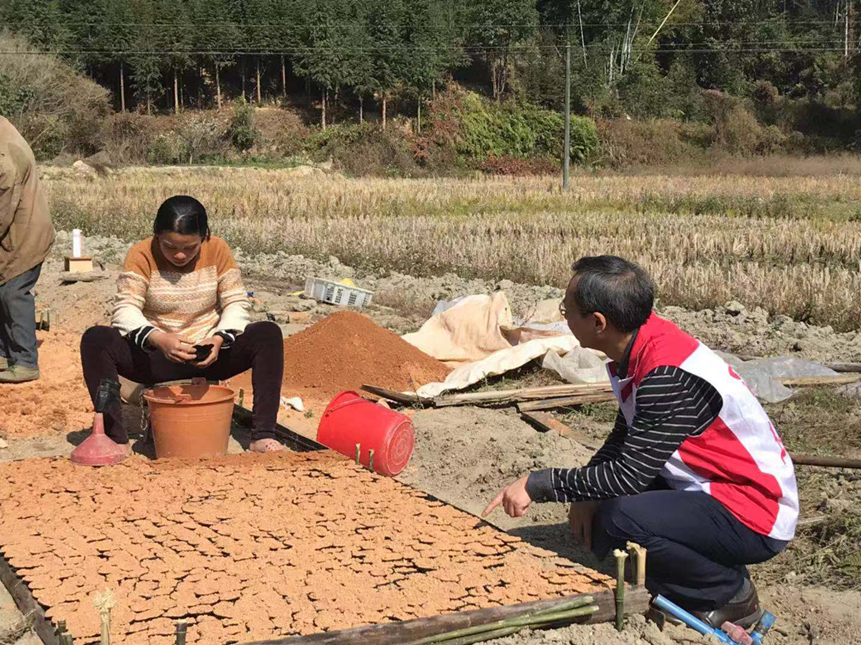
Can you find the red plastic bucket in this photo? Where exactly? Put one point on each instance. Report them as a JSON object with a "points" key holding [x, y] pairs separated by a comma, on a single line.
{"points": [[349, 420]]}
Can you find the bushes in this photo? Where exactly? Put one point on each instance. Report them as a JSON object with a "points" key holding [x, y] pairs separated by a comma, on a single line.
{"points": [[242, 133], [365, 149], [653, 142], [520, 131], [55, 108]]}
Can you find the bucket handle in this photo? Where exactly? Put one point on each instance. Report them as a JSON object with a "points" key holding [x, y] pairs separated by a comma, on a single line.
{"points": [[346, 403], [180, 398]]}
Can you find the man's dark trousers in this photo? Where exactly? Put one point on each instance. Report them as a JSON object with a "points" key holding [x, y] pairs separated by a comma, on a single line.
{"points": [[697, 550], [18, 319]]}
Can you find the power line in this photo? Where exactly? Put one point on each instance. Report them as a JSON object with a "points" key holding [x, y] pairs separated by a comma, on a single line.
{"points": [[787, 23], [279, 52]]}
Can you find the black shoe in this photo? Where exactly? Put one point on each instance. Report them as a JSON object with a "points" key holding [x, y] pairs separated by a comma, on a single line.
{"points": [[744, 611]]}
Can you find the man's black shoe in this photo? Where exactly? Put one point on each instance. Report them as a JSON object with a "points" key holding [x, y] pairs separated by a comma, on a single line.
{"points": [[744, 611]]}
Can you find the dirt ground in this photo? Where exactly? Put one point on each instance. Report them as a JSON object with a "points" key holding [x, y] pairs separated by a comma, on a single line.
{"points": [[463, 455]]}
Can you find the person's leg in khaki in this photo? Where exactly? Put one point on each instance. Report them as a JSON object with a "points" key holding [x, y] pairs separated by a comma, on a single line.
{"points": [[18, 318]]}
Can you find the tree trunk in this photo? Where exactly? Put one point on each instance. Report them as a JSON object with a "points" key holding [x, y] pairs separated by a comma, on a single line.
{"points": [[419, 115], [244, 98], [433, 91], [259, 95], [361, 109], [148, 102], [175, 91], [218, 84], [385, 100], [122, 90], [308, 92], [325, 94], [283, 77], [335, 105]]}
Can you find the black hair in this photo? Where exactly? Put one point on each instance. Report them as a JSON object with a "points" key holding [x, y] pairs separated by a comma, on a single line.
{"points": [[181, 214], [615, 287]]}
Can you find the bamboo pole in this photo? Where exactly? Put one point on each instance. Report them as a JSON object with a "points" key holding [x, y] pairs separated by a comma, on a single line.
{"points": [[564, 402], [524, 394], [621, 556], [410, 631], [807, 381], [828, 462]]}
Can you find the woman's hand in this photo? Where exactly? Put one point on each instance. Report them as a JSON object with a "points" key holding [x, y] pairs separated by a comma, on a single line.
{"points": [[216, 342], [174, 347]]}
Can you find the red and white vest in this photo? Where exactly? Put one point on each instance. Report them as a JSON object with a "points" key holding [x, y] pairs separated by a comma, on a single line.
{"points": [[739, 459]]}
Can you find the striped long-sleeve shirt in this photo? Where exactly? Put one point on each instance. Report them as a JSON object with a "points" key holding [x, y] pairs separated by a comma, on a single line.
{"points": [[671, 406]]}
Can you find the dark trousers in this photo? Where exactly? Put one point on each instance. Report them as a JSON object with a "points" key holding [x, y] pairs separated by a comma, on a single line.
{"points": [[105, 354], [18, 319], [697, 550]]}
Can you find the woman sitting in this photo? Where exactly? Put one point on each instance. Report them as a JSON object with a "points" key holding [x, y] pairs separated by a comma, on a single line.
{"points": [[182, 311]]}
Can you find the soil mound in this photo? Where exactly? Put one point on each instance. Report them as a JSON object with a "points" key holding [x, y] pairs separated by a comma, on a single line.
{"points": [[347, 350]]}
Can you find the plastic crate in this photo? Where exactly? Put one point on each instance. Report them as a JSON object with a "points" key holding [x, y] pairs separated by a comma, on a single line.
{"points": [[336, 293]]}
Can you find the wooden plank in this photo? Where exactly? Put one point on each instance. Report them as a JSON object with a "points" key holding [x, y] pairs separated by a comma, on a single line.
{"points": [[524, 394], [564, 402], [403, 633], [26, 604], [397, 397], [830, 462], [807, 381], [292, 440], [541, 421], [844, 367]]}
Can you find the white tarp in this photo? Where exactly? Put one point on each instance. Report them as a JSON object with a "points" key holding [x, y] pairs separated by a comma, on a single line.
{"points": [[498, 363]]}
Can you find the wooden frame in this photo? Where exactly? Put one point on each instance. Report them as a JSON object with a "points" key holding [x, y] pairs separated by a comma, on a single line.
{"points": [[27, 604], [79, 265], [402, 633]]}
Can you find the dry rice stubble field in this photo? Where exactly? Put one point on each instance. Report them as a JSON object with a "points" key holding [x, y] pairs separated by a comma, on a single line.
{"points": [[791, 245]]}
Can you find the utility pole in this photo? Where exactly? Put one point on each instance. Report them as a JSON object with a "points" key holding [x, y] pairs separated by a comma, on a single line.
{"points": [[566, 160]]}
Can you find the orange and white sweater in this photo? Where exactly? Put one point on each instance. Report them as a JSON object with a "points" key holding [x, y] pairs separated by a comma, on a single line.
{"points": [[197, 301]]}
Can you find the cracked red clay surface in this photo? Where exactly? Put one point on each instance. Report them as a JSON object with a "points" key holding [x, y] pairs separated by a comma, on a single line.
{"points": [[250, 547]]}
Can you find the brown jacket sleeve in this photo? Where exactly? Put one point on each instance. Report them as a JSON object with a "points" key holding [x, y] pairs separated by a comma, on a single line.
{"points": [[26, 231]]}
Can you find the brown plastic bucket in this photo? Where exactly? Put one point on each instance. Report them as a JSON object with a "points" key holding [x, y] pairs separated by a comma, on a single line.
{"points": [[190, 420]]}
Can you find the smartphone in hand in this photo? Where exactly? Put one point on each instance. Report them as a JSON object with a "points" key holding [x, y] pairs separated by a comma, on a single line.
{"points": [[201, 352]]}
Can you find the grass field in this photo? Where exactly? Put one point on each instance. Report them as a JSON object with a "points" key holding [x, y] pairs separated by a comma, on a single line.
{"points": [[789, 243]]}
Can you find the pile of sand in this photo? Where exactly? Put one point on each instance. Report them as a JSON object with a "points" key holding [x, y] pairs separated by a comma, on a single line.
{"points": [[347, 350]]}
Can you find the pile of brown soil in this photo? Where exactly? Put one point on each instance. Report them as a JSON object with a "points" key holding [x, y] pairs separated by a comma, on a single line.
{"points": [[347, 350]]}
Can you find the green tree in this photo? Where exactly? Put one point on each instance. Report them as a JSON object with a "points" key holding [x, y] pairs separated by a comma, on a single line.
{"points": [[433, 48], [218, 36], [145, 61], [499, 28], [386, 29], [42, 21], [324, 53]]}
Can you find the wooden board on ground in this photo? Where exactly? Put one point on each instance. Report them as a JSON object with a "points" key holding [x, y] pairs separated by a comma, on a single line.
{"points": [[545, 422], [564, 402], [636, 602]]}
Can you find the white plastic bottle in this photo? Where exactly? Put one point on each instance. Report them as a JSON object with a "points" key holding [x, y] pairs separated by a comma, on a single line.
{"points": [[77, 243]]}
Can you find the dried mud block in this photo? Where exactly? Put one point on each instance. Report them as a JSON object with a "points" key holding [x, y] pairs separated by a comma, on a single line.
{"points": [[252, 547]]}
